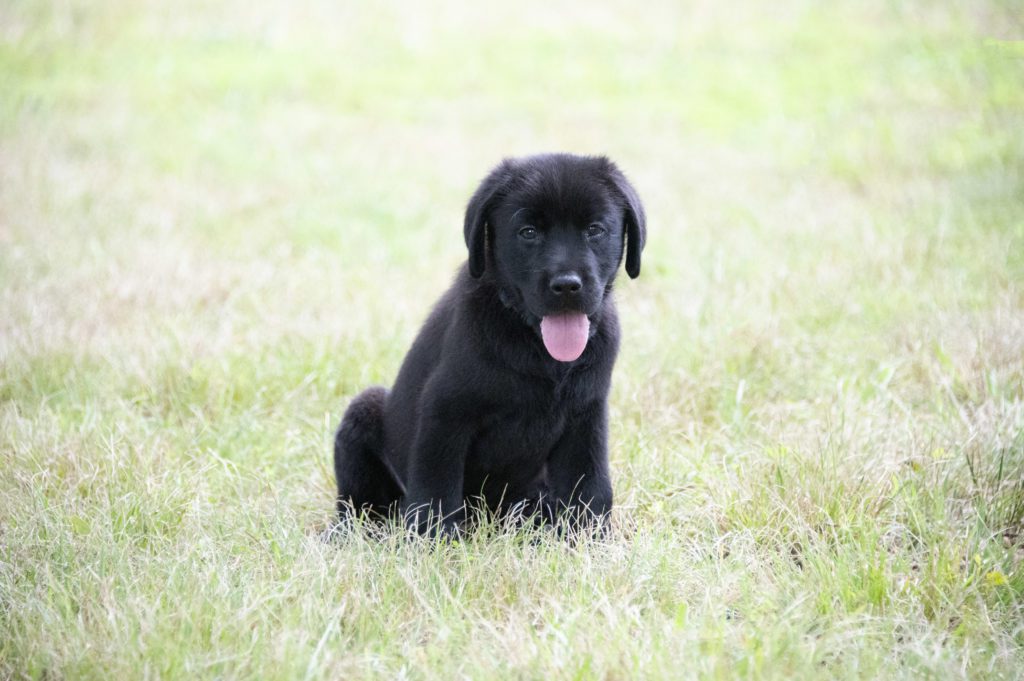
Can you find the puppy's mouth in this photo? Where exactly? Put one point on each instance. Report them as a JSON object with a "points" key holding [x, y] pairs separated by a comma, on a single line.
{"points": [[565, 335]]}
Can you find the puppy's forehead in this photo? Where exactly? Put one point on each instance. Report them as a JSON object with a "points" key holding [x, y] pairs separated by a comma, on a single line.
{"points": [[561, 192]]}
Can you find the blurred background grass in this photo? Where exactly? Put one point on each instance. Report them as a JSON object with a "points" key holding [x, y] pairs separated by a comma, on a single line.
{"points": [[219, 221], [844, 168]]}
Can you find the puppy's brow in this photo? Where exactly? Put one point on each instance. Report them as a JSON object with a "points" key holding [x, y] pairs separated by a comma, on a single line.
{"points": [[520, 210]]}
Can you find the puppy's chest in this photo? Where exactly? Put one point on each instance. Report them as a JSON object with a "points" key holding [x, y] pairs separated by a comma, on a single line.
{"points": [[518, 436], [516, 439]]}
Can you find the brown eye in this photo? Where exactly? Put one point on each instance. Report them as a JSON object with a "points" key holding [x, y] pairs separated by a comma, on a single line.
{"points": [[529, 233], [595, 230]]}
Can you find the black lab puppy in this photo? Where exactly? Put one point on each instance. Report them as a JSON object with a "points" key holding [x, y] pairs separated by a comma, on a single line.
{"points": [[503, 397]]}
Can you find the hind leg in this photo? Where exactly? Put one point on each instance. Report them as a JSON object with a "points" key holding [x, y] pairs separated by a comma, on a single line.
{"points": [[365, 483]]}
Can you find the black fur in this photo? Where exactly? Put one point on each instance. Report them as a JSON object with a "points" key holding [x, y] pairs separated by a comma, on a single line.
{"points": [[480, 411]]}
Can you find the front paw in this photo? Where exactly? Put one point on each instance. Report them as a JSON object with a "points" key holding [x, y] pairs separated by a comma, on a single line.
{"points": [[430, 520], [576, 522]]}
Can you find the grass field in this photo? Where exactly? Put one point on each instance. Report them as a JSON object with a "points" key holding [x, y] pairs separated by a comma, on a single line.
{"points": [[220, 221]]}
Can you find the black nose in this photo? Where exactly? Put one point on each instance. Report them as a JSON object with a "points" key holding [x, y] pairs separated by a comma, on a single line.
{"points": [[566, 283]]}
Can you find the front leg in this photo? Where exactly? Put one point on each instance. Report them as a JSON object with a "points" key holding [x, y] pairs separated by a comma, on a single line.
{"points": [[433, 501], [581, 488]]}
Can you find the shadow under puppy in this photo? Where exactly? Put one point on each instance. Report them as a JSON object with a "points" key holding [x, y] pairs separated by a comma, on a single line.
{"points": [[503, 397]]}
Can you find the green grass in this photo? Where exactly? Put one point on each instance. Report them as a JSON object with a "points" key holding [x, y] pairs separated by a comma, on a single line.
{"points": [[817, 416]]}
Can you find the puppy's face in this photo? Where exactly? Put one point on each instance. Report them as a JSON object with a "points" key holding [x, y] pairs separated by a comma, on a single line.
{"points": [[557, 243], [555, 231]]}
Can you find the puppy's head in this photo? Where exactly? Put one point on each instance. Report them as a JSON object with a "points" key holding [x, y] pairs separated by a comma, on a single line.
{"points": [[550, 231]]}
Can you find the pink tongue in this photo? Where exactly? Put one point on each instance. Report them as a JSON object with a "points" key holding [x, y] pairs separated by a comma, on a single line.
{"points": [[565, 335]]}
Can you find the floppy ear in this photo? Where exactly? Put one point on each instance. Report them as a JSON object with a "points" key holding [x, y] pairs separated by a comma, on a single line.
{"points": [[634, 218], [478, 214]]}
